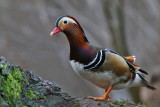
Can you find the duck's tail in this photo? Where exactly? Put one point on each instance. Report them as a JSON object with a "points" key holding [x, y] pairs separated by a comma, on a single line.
{"points": [[148, 85]]}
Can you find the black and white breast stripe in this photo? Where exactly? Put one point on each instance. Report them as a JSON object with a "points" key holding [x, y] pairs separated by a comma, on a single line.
{"points": [[97, 61]]}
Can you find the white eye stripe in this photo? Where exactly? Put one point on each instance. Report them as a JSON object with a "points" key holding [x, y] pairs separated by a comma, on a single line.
{"points": [[67, 20]]}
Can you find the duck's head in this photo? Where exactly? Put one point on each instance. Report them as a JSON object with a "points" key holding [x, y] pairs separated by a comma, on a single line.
{"points": [[71, 27], [79, 48]]}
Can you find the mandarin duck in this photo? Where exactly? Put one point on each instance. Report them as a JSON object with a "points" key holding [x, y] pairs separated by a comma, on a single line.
{"points": [[103, 67]]}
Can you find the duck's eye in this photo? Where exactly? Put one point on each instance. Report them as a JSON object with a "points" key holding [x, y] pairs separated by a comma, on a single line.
{"points": [[65, 22]]}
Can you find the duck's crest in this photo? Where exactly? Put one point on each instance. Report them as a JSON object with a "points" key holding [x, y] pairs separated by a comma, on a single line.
{"points": [[79, 27]]}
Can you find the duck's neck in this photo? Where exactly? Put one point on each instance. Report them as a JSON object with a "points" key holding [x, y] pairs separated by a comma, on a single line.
{"points": [[80, 51], [81, 54]]}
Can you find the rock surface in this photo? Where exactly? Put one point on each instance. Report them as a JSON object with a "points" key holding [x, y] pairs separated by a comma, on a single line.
{"points": [[21, 88]]}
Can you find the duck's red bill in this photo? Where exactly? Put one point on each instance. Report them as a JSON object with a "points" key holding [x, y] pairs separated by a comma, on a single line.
{"points": [[56, 30]]}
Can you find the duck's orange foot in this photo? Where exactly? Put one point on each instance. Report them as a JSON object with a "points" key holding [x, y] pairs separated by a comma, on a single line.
{"points": [[100, 98], [105, 97]]}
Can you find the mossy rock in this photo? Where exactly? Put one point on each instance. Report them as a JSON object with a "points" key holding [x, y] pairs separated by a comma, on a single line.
{"points": [[21, 88]]}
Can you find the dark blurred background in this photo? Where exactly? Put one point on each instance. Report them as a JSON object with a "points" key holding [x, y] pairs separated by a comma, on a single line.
{"points": [[131, 27]]}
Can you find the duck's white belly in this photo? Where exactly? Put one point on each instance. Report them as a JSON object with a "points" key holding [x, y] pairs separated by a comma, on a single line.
{"points": [[102, 79]]}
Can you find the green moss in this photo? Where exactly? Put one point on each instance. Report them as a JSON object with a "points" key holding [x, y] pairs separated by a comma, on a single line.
{"points": [[11, 81], [77, 104], [17, 74], [122, 103], [12, 87], [40, 97], [30, 94]]}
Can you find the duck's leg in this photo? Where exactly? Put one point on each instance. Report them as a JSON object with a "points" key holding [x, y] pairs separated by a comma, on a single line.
{"points": [[108, 95], [105, 97]]}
